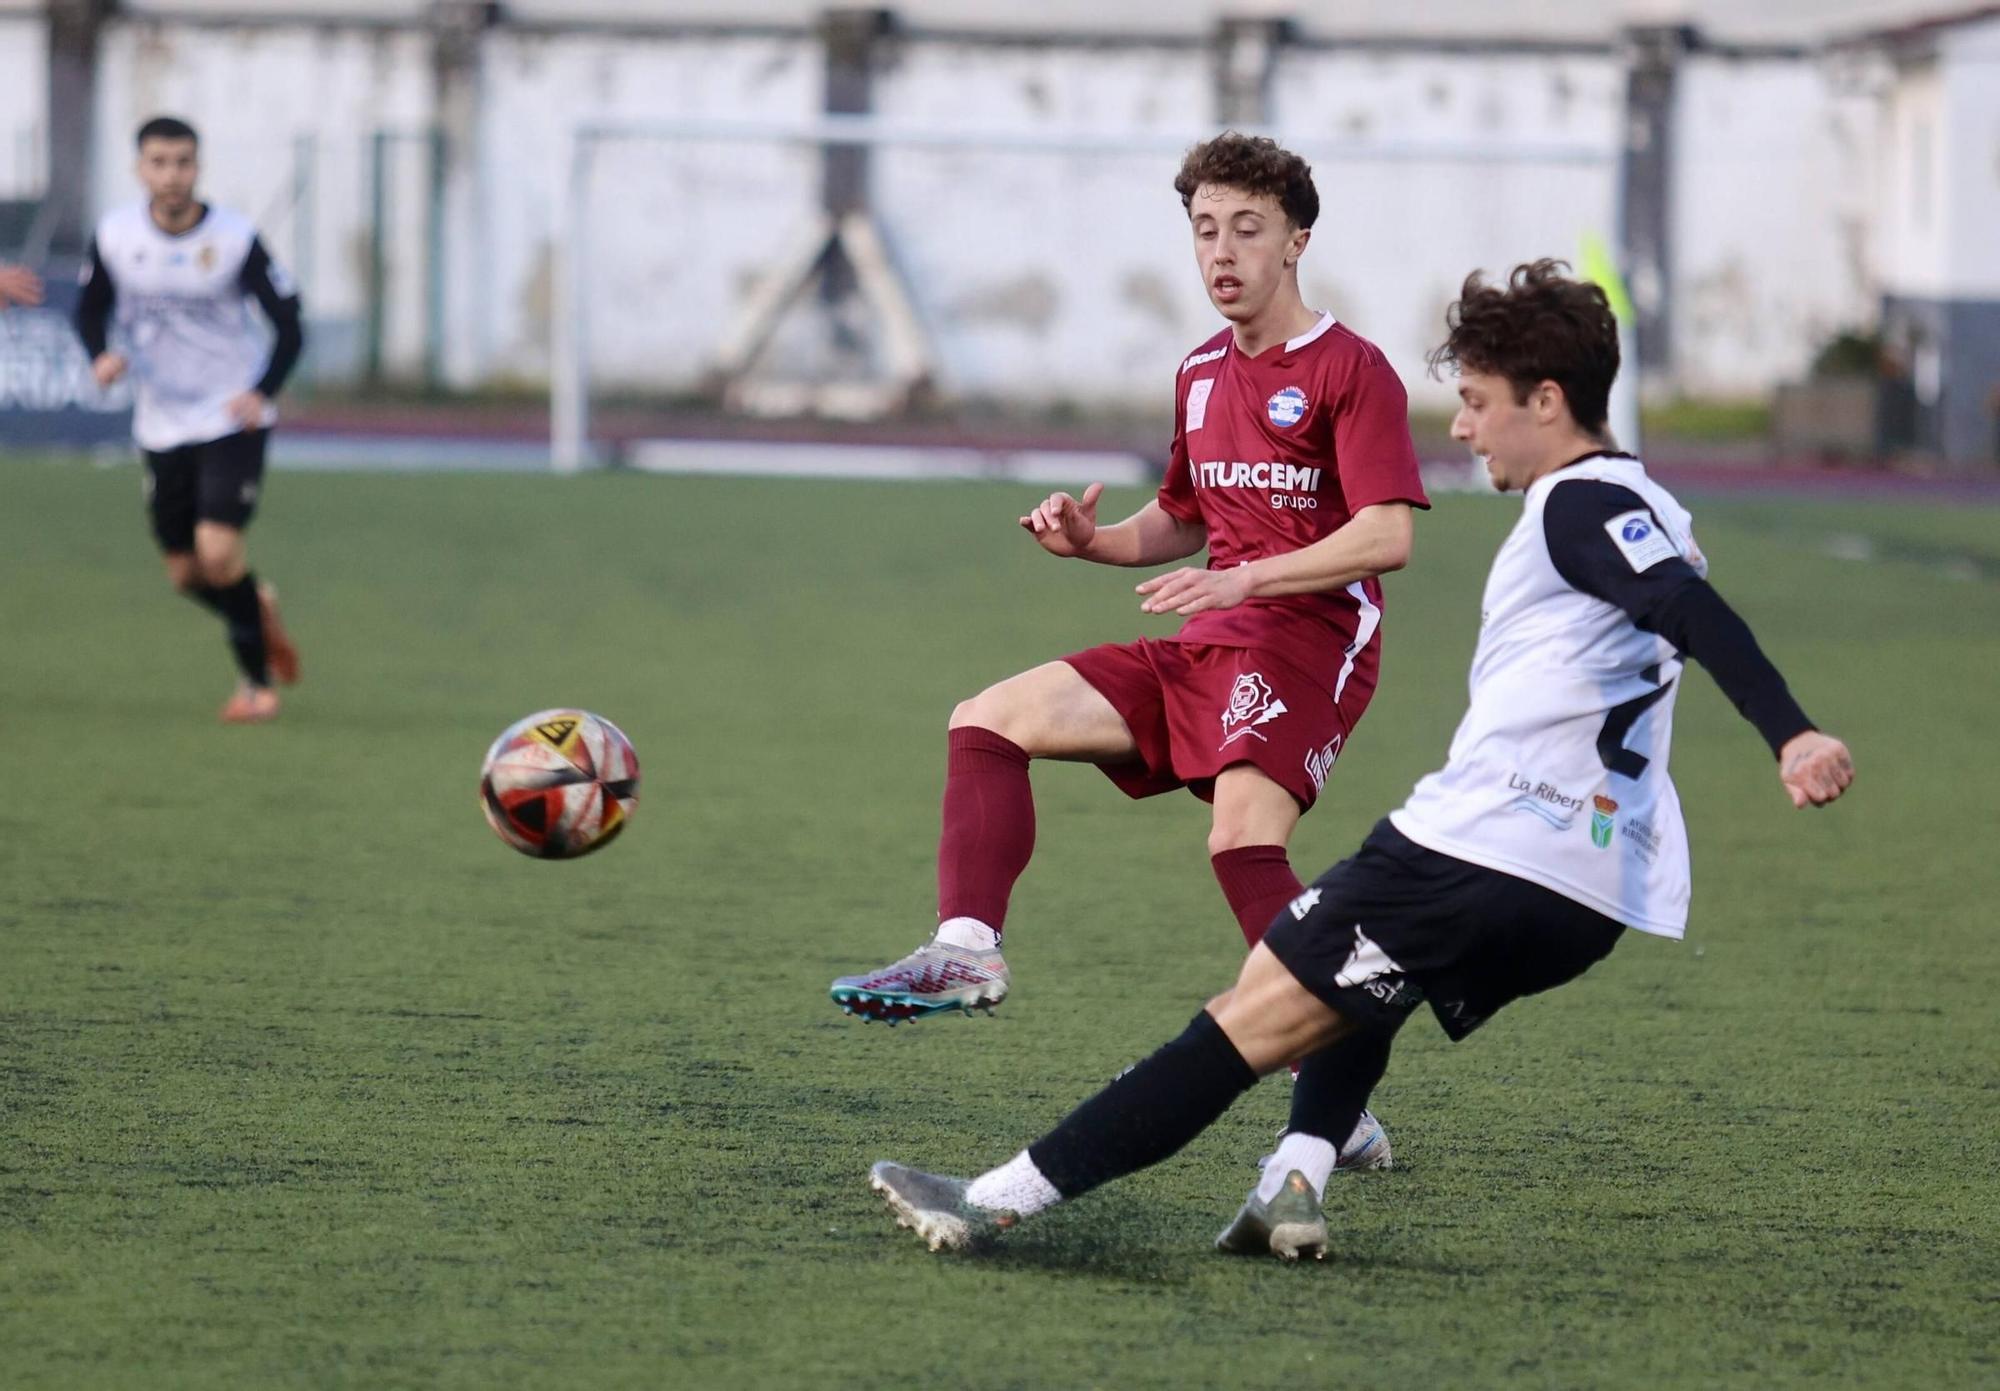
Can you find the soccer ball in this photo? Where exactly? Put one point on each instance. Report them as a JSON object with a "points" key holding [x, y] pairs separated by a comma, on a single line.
{"points": [[559, 784]]}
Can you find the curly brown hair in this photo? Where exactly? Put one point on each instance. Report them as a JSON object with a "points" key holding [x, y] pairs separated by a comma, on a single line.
{"points": [[1255, 164], [1541, 326]]}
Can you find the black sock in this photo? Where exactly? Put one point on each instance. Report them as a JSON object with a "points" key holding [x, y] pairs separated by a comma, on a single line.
{"points": [[1147, 1113], [206, 597], [1333, 1085], [237, 603]]}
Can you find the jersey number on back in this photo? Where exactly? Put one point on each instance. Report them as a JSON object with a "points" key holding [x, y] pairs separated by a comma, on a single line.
{"points": [[1618, 722]]}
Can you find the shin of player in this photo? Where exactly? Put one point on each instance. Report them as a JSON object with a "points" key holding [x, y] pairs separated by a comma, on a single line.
{"points": [[1551, 832], [166, 301], [1292, 464]]}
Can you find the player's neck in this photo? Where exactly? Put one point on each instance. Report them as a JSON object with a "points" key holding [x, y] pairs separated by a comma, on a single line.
{"points": [[1574, 447], [175, 222], [1282, 320]]}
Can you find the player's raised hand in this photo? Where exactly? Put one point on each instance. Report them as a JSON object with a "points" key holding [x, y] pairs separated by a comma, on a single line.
{"points": [[1065, 525], [19, 285], [1188, 590], [107, 368], [1815, 768]]}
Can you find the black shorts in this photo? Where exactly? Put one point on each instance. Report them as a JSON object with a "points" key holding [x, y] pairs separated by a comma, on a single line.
{"points": [[213, 482], [1397, 924]]}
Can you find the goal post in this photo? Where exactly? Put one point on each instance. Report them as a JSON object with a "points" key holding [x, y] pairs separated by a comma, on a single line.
{"points": [[945, 244]]}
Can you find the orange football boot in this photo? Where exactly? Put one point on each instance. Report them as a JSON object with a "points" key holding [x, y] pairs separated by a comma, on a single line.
{"points": [[278, 649]]}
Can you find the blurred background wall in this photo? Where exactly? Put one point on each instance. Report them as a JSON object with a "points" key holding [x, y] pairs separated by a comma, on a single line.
{"points": [[1779, 184]]}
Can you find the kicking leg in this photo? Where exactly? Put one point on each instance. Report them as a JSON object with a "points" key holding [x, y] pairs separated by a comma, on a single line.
{"points": [[1144, 1116], [988, 836]]}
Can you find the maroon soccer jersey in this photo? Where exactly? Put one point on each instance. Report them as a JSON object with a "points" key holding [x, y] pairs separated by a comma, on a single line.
{"points": [[1273, 453]]}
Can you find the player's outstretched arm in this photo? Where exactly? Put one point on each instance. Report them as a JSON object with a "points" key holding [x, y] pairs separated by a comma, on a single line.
{"points": [[1067, 526], [1374, 541], [1663, 593]]}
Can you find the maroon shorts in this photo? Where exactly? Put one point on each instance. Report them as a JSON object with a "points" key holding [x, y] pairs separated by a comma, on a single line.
{"points": [[1195, 709]]}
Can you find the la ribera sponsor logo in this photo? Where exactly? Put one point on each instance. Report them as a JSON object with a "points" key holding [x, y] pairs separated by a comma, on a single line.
{"points": [[1544, 800]]}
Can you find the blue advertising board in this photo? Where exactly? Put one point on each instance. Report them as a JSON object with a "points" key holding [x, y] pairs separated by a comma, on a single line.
{"points": [[47, 395]]}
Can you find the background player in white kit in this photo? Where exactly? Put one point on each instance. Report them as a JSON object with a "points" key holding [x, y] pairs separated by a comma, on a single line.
{"points": [[1552, 828], [166, 296]]}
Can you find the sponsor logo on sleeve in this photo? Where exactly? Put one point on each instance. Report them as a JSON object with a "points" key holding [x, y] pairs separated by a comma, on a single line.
{"points": [[1197, 402], [1640, 539], [1286, 407], [1251, 703], [1199, 358]]}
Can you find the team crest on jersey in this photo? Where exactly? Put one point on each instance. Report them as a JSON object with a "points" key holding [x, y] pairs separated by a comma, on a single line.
{"points": [[1286, 408], [1602, 809], [1251, 703], [205, 258]]}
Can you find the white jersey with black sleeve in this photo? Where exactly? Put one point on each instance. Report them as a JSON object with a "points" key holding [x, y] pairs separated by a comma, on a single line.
{"points": [[1558, 772], [180, 308]]}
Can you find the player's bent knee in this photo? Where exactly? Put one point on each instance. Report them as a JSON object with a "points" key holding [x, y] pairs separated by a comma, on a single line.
{"points": [[969, 713], [220, 567], [1002, 708]]}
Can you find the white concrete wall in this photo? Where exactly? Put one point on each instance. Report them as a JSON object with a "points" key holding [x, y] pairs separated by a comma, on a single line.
{"points": [[674, 232], [1911, 216], [1773, 202], [1049, 277], [1041, 277], [24, 104], [1397, 237], [1970, 65]]}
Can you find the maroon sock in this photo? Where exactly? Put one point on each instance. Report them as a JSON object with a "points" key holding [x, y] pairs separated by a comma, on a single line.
{"points": [[1258, 881], [989, 825]]}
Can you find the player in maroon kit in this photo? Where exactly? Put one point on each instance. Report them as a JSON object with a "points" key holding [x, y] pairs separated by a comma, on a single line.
{"points": [[1292, 463]]}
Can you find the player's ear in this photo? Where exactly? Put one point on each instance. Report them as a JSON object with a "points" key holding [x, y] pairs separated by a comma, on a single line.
{"points": [[1550, 403], [1300, 236]]}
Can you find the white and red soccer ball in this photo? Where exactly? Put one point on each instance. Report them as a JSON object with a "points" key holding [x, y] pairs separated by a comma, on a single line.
{"points": [[559, 784]]}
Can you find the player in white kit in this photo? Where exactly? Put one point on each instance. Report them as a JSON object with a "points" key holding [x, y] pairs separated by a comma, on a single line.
{"points": [[1551, 830], [167, 294]]}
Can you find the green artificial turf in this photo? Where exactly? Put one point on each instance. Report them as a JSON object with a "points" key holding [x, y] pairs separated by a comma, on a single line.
{"points": [[306, 1080]]}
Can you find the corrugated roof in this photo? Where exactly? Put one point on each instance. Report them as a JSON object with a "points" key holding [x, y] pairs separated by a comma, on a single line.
{"points": [[1774, 21]]}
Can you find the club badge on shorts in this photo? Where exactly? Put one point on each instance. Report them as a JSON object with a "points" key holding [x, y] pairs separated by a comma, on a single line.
{"points": [[1251, 703]]}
